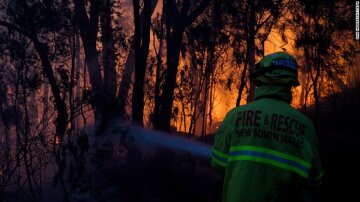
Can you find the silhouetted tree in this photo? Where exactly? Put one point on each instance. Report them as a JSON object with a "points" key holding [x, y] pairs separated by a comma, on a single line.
{"points": [[251, 21], [31, 25], [206, 42], [318, 29], [141, 41], [89, 26], [127, 75], [178, 16]]}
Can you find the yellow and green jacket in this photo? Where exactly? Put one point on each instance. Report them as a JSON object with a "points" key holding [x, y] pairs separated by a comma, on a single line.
{"points": [[268, 150]]}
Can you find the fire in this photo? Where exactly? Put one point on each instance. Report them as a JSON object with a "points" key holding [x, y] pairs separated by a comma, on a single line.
{"points": [[224, 99], [57, 140]]}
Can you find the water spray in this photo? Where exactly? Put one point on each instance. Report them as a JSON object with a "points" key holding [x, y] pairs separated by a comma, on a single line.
{"points": [[155, 138]]}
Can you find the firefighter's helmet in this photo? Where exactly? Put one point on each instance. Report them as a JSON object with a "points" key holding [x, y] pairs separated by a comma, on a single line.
{"points": [[277, 68]]}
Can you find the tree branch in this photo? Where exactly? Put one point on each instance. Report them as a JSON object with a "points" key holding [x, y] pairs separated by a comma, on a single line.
{"points": [[196, 12], [262, 23]]}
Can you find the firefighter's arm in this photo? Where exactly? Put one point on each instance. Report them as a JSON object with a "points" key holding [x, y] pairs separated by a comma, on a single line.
{"points": [[316, 170], [220, 150], [314, 189]]}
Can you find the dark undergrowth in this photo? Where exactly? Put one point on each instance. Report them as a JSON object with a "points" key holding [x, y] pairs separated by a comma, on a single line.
{"points": [[339, 138]]}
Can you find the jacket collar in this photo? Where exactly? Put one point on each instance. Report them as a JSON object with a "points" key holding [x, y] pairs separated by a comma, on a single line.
{"points": [[278, 92]]}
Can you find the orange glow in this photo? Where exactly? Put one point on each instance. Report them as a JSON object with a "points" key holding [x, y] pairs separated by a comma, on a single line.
{"points": [[57, 140], [224, 99]]}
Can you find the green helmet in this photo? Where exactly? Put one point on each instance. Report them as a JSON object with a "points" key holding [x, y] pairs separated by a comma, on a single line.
{"points": [[277, 68]]}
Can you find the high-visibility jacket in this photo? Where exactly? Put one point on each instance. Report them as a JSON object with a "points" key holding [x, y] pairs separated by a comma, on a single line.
{"points": [[268, 150]]}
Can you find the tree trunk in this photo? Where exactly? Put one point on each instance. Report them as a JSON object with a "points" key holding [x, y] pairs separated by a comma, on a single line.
{"points": [[78, 67], [108, 50], [200, 90], [61, 121], [315, 88], [211, 99], [72, 41], [158, 68], [176, 22], [125, 83], [108, 59], [206, 89], [303, 89], [127, 75], [197, 86], [95, 78], [42, 50], [216, 20], [251, 50], [251, 70], [305, 72], [243, 78], [6, 125], [167, 98], [142, 41], [88, 32], [7, 147], [45, 112], [34, 112]]}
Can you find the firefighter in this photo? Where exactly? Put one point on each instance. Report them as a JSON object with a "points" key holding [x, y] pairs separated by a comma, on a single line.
{"points": [[268, 150]]}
